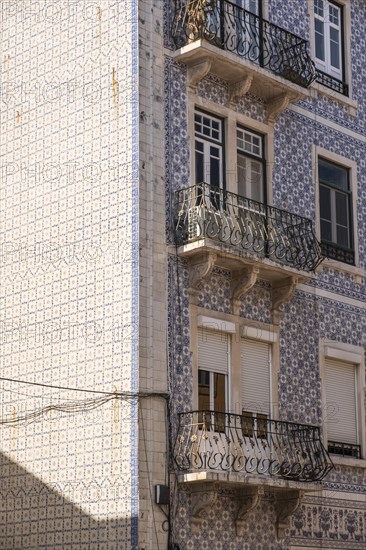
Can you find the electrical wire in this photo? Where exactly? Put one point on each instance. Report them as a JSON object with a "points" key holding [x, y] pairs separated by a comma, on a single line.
{"points": [[73, 406], [127, 395]]}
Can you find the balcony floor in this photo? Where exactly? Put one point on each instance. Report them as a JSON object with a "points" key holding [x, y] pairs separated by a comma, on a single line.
{"points": [[238, 479], [232, 68], [231, 258]]}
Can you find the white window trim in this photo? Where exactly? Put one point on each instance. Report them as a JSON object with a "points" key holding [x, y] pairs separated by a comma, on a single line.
{"points": [[247, 328], [325, 65], [352, 167], [348, 102], [231, 120], [348, 354]]}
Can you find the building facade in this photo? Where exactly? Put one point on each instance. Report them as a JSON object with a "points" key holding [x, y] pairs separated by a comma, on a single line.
{"points": [[265, 105], [183, 197]]}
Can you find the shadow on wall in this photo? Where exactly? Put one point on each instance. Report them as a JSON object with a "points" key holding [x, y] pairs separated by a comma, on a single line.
{"points": [[35, 515]]}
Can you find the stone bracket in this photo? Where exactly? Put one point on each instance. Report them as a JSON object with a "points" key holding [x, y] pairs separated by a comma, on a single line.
{"points": [[286, 504], [247, 500], [239, 89], [200, 269], [279, 104], [242, 281], [197, 72], [203, 498], [281, 292]]}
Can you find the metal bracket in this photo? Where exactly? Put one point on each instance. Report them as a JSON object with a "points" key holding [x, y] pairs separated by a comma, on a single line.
{"points": [[203, 498], [246, 502], [197, 73], [239, 89], [286, 504], [242, 281]]}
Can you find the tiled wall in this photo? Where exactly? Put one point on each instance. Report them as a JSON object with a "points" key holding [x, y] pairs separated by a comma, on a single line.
{"points": [[338, 314], [69, 273]]}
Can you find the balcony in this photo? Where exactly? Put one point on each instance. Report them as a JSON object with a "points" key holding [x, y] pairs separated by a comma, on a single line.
{"points": [[254, 458], [234, 43], [273, 239], [225, 442], [332, 83]]}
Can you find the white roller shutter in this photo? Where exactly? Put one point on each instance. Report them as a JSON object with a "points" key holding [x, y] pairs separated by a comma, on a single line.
{"points": [[341, 412], [255, 376], [213, 350]]}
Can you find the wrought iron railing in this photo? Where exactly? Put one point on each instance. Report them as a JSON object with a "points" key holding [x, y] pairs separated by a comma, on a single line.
{"points": [[344, 449], [232, 28], [207, 211], [225, 442], [336, 252], [332, 82]]}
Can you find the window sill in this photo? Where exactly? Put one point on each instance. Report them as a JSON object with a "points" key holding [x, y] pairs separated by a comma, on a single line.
{"points": [[346, 101], [358, 273], [348, 461]]}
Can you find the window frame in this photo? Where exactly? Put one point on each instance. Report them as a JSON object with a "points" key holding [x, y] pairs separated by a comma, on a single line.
{"points": [[346, 100], [350, 354], [238, 327], [231, 119], [259, 158], [333, 221], [319, 152], [326, 66], [206, 140]]}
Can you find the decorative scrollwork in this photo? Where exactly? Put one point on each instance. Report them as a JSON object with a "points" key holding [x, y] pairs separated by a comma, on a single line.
{"points": [[267, 232], [240, 443]]}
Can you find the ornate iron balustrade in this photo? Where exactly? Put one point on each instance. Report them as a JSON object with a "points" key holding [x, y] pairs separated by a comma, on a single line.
{"points": [[344, 449], [208, 440], [207, 211], [332, 82], [232, 28], [335, 252]]}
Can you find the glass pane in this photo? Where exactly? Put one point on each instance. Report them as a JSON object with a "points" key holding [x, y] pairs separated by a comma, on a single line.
{"points": [[334, 14], [319, 7], [219, 392], [335, 56], [262, 425], [248, 142], [342, 209], [214, 176], [208, 127], [333, 175], [325, 206], [256, 183], [343, 236], [326, 231], [319, 40], [247, 423], [203, 390], [199, 166], [242, 176]]}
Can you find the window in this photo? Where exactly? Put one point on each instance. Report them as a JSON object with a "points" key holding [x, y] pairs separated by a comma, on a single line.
{"points": [[208, 149], [342, 408], [250, 164], [335, 212], [213, 369], [329, 44], [255, 363]]}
